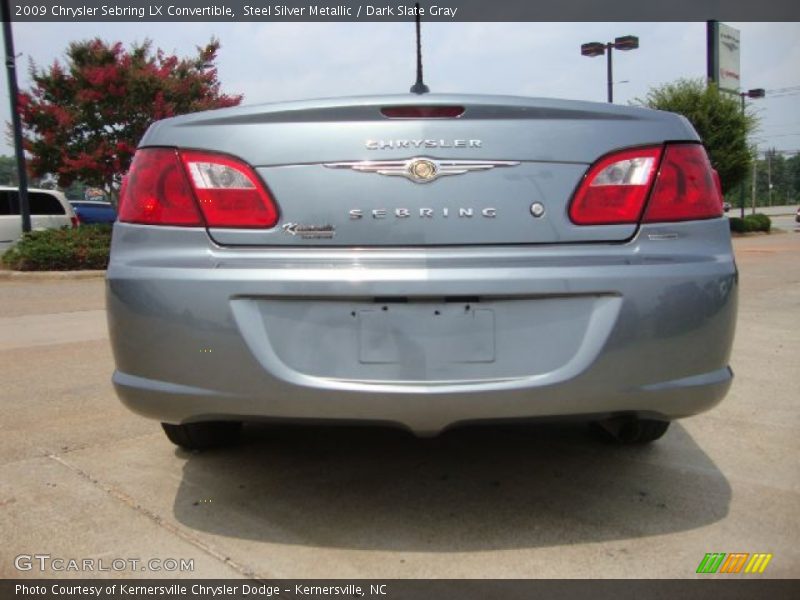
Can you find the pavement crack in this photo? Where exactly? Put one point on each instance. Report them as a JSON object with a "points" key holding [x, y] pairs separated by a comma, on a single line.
{"points": [[157, 519]]}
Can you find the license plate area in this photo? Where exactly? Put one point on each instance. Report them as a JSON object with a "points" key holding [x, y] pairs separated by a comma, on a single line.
{"points": [[354, 340], [426, 333]]}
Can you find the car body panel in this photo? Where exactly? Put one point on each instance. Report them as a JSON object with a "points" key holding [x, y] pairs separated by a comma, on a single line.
{"points": [[429, 324]]}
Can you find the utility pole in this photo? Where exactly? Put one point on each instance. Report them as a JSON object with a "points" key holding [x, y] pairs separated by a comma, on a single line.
{"points": [[16, 123], [754, 93], [753, 187], [769, 178]]}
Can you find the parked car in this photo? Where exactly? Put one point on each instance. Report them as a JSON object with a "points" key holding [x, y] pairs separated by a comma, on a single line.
{"points": [[421, 261], [726, 206], [797, 215], [49, 209], [93, 211]]}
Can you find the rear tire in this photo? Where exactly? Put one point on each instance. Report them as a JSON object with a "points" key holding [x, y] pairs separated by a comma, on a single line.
{"points": [[202, 436], [632, 430]]}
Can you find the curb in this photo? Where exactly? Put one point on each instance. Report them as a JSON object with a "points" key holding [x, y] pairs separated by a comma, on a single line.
{"points": [[49, 275]]}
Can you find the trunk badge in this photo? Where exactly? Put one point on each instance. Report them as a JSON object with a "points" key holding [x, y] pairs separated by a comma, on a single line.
{"points": [[309, 232], [421, 169]]}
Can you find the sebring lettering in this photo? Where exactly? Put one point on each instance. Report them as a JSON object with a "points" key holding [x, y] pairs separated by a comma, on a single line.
{"points": [[423, 213]]}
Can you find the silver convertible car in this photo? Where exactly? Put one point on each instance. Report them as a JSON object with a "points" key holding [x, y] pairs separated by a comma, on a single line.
{"points": [[423, 262]]}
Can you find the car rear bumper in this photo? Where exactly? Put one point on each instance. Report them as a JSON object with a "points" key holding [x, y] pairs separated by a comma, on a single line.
{"points": [[422, 338]]}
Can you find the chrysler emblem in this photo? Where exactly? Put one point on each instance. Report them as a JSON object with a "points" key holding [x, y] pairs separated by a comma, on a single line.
{"points": [[421, 169]]}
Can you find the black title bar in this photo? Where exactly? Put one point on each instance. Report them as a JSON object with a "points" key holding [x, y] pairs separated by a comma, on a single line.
{"points": [[733, 588], [402, 10]]}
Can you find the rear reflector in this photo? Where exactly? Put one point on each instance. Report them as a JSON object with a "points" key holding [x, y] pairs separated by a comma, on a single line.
{"points": [[615, 188], [685, 188], [422, 112], [166, 186]]}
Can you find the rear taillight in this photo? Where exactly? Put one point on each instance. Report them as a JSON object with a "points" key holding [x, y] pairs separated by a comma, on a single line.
{"points": [[678, 181], [615, 188], [75, 221], [166, 186], [685, 188], [156, 191], [229, 191]]}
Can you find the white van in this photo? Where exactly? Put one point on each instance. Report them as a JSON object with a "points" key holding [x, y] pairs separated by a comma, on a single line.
{"points": [[49, 210]]}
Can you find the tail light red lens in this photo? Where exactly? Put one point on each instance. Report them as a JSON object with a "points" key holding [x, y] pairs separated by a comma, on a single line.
{"points": [[679, 182], [685, 188], [157, 192], [75, 221], [229, 192], [166, 186], [615, 188]]}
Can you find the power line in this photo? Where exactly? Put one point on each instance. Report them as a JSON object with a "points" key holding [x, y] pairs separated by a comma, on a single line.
{"points": [[781, 95], [777, 135], [784, 89], [782, 125], [776, 151]]}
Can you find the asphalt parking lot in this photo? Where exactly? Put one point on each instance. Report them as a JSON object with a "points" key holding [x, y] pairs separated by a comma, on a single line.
{"points": [[81, 477]]}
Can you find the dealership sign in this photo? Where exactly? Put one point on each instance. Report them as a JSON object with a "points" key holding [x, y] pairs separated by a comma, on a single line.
{"points": [[723, 59]]}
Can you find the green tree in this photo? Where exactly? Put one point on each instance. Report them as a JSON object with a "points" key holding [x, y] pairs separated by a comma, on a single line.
{"points": [[82, 120], [75, 190], [8, 170], [793, 168], [717, 117], [780, 170], [774, 170], [9, 176]]}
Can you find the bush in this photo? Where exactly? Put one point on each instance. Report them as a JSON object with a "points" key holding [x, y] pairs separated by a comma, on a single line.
{"points": [[763, 222], [757, 222], [65, 249], [737, 225]]}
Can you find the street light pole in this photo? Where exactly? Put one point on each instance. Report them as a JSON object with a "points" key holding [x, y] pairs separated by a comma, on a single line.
{"points": [[753, 187], [16, 124], [754, 93], [741, 186], [609, 47], [769, 178], [626, 42]]}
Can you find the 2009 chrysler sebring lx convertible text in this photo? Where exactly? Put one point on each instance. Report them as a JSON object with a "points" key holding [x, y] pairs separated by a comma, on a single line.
{"points": [[455, 260]]}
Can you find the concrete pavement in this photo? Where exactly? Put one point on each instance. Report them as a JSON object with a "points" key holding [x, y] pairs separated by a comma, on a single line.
{"points": [[80, 477]]}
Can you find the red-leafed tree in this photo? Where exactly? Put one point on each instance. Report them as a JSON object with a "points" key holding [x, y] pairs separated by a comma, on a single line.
{"points": [[82, 120]]}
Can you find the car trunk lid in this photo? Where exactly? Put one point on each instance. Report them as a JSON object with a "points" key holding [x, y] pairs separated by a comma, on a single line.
{"points": [[344, 174]]}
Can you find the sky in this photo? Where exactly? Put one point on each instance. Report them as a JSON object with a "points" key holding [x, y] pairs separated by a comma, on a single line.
{"points": [[282, 61]]}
